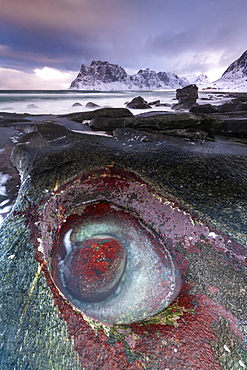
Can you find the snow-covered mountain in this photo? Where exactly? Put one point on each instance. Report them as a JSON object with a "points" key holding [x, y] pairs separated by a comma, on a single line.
{"points": [[105, 76], [201, 81], [235, 76]]}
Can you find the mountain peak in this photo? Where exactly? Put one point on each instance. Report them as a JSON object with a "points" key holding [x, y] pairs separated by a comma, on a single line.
{"points": [[235, 76], [239, 66], [106, 76]]}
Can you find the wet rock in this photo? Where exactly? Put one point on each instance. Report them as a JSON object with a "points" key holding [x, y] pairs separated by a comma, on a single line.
{"points": [[204, 108], [92, 105], [210, 123], [186, 97], [106, 124], [77, 104], [102, 112], [185, 125], [163, 122], [234, 127], [153, 113], [138, 103], [194, 196], [233, 106], [156, 102], [190, 134], [130, 134], [32, 106], [163, 105]]}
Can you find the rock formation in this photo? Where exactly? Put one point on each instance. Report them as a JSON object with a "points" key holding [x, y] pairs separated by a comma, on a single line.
{"points": [[186, 97]]}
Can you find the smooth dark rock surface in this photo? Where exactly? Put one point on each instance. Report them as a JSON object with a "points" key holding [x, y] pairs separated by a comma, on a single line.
{"points": [[101, 112]]}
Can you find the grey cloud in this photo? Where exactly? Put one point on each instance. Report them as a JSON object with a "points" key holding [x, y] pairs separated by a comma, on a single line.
{"points": [[161, 34]]}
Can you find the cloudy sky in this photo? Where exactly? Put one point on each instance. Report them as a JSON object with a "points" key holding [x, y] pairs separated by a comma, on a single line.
{"points": [[44, 42]]}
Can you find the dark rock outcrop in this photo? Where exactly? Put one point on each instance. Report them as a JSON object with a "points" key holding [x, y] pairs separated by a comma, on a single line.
{"points": [[230, 117], [236, 105], [102, 112], [193, 197], [184, 125], [186, 97], [234, 127], [159, 123], [204, 108], [138, 103], [106, 124]]}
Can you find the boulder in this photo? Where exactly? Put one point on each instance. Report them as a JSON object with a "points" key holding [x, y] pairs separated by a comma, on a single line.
{"points": [[204, 108], [106, 124], [234, 127], [186, 125], [233, 106], [138, 103], [186, 97], [102, 112], [159, 123], [210, 123], [92, 105]]}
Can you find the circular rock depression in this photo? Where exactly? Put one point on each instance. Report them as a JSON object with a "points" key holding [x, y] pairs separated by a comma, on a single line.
{"points": [[103, 257]]}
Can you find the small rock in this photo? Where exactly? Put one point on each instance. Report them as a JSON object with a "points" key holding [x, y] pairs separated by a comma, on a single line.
{"points": [[77, 104], [31, 106], [156, 102], [138, 103], [163, 105], [91, 105]]}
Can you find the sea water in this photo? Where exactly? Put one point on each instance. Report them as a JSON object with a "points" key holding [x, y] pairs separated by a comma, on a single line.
{"points": [[61, 101]]}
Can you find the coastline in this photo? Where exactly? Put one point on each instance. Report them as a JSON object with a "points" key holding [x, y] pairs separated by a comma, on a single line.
{"points": [[68, 101]]}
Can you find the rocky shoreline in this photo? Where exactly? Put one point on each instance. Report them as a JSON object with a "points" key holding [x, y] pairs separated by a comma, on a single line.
{"points": [[202, 123]]}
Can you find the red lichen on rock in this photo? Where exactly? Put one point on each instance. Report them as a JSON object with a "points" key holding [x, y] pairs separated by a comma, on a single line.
{"points": [[140, 346]]}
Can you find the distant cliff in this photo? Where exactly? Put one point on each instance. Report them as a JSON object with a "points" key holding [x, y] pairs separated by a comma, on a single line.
{"points": [[105, 76]]}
